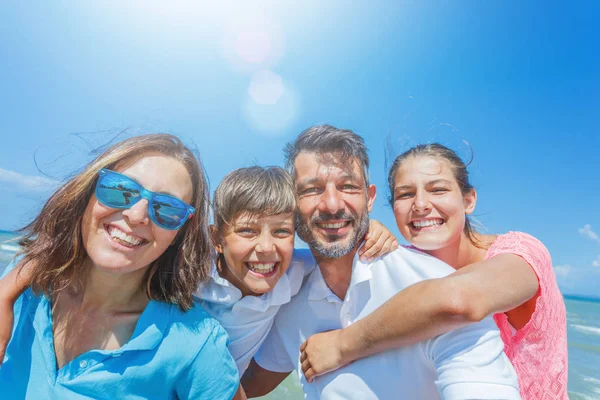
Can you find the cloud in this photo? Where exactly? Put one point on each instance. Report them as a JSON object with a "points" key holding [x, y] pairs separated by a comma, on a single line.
{"points": [[26, 183], [562, 270], [596, 262], [587, 232]]}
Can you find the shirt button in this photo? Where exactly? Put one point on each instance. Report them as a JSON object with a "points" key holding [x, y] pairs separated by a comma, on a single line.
{"points": [[82, 364]]}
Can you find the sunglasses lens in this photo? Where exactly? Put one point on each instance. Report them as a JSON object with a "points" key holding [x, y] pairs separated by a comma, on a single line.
{"points": [[168, 212], [118, 191]]}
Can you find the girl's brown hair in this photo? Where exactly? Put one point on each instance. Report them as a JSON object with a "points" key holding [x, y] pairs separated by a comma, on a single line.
{"points": [[52, 244], [459, 169]]}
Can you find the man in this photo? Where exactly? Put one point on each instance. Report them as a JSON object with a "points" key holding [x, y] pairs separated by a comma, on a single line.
{"points": [[330, 170]]}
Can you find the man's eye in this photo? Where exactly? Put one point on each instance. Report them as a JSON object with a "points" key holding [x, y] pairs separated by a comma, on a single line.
{"points": [[349, 187], [308, 191]]}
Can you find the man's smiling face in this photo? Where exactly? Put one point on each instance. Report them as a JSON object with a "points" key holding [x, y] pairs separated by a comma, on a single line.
{"points": [[333, 203]]}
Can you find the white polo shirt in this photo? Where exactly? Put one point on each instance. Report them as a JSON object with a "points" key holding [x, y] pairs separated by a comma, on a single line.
{"points": [[248, 320], [468, 363]]}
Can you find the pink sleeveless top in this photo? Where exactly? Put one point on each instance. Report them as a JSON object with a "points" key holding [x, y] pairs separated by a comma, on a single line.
{"points": [[538, 351]]}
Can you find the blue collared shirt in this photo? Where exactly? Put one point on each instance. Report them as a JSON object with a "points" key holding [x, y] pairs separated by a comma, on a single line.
{"points": [[171, 355]]}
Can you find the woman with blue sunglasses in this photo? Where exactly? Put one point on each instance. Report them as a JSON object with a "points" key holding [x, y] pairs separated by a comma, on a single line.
{"points": [[115, 256]]}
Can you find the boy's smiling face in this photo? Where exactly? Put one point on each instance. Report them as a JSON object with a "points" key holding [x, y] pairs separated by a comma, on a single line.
{"points": [[257, 251]]}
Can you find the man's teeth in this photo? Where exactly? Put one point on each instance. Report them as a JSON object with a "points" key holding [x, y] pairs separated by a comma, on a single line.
{"points": [[428, 222], [123, 238], [262, 268], [336, 225]]}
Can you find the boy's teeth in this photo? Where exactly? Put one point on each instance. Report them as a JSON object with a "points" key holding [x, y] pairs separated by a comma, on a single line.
{"points": [[261, 267], [429, 222], [337, 225], [123, 238]]}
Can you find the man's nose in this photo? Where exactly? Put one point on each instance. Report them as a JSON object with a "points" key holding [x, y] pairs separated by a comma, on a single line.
{"points": [[331, 200]]}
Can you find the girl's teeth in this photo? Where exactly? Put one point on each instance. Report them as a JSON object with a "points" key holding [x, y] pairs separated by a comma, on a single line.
{"points": [[123, 238], [429, 222]]}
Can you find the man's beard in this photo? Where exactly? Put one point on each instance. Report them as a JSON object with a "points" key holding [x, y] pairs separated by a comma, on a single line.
{"points": [[333, 246]]}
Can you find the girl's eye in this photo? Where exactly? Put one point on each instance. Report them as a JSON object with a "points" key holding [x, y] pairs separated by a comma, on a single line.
{"points": [[404, 196], [245, 231], [439, 190]]}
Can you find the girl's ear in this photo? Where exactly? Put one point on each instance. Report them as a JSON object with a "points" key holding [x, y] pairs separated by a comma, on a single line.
{"points": [[470, 201], [215, 238]]}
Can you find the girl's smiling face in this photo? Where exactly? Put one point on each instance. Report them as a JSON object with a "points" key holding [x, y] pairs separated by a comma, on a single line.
{"points": [[257, 251], [429, 207]]}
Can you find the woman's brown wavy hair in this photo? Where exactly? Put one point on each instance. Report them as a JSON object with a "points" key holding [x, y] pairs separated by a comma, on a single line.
{"points": [[52, 245]]}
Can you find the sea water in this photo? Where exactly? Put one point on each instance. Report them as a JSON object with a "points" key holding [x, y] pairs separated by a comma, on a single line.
{"points": [[583, 330]]}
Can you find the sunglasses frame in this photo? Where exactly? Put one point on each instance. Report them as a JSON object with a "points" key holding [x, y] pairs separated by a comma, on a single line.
{"points": [[144, 194]]}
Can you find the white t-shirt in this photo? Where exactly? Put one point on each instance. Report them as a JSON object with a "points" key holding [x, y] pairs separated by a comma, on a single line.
{"points": [[468, 363], [248, 320]]}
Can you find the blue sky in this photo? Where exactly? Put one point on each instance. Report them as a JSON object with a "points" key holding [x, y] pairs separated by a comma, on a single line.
{"points": [[519, 81]]}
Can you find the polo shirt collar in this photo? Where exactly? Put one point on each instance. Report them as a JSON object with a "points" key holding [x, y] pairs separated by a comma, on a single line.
{"points": [[151, 326], [318, 289], [147, 334], [219, 290]]}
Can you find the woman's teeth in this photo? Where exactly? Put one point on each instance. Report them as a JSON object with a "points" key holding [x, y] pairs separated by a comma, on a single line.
{"points": [[123, 238], [427, 222], [261, 268]]}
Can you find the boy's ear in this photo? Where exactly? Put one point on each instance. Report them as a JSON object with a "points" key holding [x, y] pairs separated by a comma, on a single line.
{"points": [[215, 238]]}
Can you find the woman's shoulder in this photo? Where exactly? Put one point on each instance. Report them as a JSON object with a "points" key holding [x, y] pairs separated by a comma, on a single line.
{"points": [[527, 247], [516, 241], [193, 321]]}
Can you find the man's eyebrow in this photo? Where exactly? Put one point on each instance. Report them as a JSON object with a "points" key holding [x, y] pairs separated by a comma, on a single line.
{"points": [[403, 187], [309, 181]]}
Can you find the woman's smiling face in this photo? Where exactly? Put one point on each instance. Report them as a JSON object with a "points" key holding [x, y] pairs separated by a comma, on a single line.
{"points": [[126, 240], [257, 251], [429, 207]]}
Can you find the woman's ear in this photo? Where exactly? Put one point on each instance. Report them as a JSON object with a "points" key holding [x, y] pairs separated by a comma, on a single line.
{"points": [[215, 238], [470, 201]]}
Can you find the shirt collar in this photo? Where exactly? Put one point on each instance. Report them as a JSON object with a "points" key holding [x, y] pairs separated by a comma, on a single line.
{"points": [[220, 290], [151, 326], [318, 289], [148, 332]]}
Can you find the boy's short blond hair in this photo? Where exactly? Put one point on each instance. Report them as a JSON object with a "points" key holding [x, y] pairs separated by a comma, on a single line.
{"points": [[256, 191]]}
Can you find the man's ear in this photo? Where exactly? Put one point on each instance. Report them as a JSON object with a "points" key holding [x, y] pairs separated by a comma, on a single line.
{"points": [[215, 238], [470, 201], [371, 194]]}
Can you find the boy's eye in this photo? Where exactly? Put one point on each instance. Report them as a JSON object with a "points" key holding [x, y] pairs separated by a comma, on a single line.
{"points": [[245, 231], [283, 232]]}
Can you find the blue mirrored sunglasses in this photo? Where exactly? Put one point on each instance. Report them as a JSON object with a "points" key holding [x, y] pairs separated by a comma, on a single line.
{"points": [[119, 191]]}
